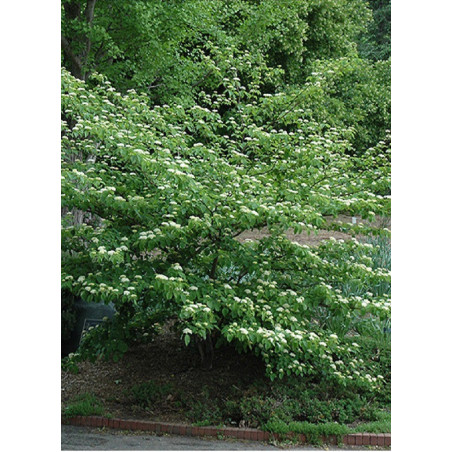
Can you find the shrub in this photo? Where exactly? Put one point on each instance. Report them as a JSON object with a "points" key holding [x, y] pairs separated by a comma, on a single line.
{"points": [[276, 426], [205, 410], [163, 193]]}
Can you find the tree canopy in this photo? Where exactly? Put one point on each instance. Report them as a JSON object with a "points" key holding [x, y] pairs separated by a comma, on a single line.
{"points": [[150, 43]]}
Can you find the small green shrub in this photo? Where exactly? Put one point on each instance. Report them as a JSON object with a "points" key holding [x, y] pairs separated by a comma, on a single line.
{"points": [[202, 423], [257, 410], [205, 410], [111, 339], [69, 364], [232, 412], [375, 347], [204, 413], [146, 394], [84, 405], [314, 432], [276, 426]]}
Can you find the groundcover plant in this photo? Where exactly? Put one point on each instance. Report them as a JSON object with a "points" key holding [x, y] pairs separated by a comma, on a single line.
{"points": [[156, 196]]}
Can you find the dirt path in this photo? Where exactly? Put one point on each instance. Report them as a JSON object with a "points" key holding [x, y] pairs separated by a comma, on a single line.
{"points": [[315, 237]]}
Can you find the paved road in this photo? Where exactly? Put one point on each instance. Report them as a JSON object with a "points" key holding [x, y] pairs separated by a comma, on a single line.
{"points": [[88, 438]]}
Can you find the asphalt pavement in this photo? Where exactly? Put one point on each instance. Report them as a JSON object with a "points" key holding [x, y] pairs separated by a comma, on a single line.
{"points": [[88, 438]]}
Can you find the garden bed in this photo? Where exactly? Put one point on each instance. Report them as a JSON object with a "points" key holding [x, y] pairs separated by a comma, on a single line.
{"points": [[164, 381]]}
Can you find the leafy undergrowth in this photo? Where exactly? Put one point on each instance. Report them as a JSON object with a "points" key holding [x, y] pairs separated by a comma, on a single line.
{"points": [[165, 381]]}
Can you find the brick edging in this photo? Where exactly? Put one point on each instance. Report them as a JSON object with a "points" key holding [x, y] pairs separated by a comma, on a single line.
{"points": [[353, 439]]}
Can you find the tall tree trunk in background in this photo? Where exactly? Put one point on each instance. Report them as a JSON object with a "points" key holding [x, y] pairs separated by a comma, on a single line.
{"points": [[75, 64]]}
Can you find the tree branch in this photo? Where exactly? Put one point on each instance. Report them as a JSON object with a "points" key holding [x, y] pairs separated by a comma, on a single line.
{"points": [[202, 78], [214, 268]]}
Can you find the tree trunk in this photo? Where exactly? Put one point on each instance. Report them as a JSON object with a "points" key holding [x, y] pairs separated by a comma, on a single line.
{"points": [[205, 349]]}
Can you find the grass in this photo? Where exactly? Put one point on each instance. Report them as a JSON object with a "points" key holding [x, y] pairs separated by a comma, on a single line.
{"points": [[315, 432], [84, 405], [382, 425]]}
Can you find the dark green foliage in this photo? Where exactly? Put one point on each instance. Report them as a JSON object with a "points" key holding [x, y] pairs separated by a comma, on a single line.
{"points": [[70, 364], [315, 403], [265, 404], [375, 44], [377, 349], [269, 405], [112, 338]]}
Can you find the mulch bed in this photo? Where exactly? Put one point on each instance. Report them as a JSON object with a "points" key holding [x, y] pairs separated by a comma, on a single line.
{"points": [[165, 361]]}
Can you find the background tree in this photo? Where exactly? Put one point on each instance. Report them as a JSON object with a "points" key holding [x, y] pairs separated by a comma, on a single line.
{"points": [[375, 43], [350, 92]]}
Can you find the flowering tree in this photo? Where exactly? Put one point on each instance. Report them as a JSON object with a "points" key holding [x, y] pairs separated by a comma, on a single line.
{"points": [[166, 191]]}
